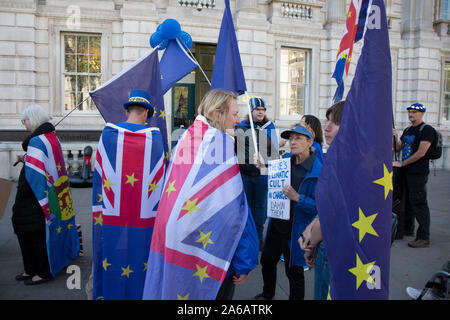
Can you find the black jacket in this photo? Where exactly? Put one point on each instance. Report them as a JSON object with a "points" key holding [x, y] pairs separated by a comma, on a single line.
{"points": [[27, 213]]}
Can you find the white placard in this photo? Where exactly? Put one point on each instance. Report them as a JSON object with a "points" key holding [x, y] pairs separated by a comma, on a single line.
{"points": [[279, 175]]}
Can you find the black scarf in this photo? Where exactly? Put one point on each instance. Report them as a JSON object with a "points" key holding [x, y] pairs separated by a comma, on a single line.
{"points": [[43, 128]]}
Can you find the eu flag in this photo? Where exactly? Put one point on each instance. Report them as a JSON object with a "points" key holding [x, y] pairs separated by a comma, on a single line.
{"points": [[354, 198], [175, 64], [142, 74], [227, 72]]}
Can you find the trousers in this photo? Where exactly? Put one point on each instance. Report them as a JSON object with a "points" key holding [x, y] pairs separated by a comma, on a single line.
{"points": [[417, 205], [34, 253], [275, 245]]}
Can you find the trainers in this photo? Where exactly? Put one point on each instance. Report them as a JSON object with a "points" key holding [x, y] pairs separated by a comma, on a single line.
{"points": [[415, 293], [419, 243]]}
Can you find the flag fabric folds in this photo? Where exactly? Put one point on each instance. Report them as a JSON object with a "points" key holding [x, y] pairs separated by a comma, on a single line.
{"points": [[143, 74], [200, 219], [175, 64], [127, 184], [354, 27], [227, 72], [354, 197], [46, 174]]}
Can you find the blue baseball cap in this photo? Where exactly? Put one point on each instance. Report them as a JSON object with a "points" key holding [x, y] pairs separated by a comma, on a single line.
{"points": [[256, 102], [141, 98], [297, 129], [417, 107]]}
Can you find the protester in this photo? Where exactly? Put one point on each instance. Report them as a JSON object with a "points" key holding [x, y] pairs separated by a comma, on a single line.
{"points": [[311, 239], [281, 234], [205, 241], [415, 143], [127, 184], [316, 126], [28, 219], [255, 184]]}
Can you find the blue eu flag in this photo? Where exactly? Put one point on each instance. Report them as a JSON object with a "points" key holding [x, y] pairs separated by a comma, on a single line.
{"points": [[227, 72], [354, 198]]}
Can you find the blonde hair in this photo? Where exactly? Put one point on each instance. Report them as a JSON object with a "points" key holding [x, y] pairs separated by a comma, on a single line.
{"points": [[307, 127], [36, 116], [216, 101]]}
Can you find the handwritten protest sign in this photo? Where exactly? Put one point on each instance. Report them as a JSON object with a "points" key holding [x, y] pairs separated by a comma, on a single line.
{"points": [[279, 175]]}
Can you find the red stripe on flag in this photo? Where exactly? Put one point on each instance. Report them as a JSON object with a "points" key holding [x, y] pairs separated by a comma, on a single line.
{"points": [[57, 153], [181, 166], [131, 184], [212, 186], [156, 179], [37, 163], [191, 262]]}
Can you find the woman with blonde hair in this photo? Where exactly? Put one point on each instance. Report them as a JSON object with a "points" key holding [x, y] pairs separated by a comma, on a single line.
{"points": [[204, 240]]}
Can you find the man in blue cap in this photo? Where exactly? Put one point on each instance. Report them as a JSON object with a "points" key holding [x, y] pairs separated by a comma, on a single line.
{"points": [[415, 143], [127, 186]]}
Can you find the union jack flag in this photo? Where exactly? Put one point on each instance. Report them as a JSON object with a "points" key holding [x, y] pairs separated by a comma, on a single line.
{"points": [[352, 33], [127, 184], [200, 219], [46, 174]]}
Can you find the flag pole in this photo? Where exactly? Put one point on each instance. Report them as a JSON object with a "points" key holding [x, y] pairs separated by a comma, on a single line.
{"points": [[72, 110], [250, 117]]}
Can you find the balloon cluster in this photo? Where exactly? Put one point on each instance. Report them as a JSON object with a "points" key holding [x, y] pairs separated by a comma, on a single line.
{"points": [[168, 30]]}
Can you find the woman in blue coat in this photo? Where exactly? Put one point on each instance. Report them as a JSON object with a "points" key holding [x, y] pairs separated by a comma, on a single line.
{"points": [[282, 235]]}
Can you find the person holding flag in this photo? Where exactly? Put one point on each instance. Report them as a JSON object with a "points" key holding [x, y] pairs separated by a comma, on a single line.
{"points": [[43, 216], [352, 195], [205, 241], [127, 186]]}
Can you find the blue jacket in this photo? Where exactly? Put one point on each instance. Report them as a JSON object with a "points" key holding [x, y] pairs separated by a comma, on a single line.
{"points": [[246, 255], [304, 212], [268, 126]]}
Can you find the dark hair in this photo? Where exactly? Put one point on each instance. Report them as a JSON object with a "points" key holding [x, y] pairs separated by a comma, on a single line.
{"points": [[316, 126], [136, 107], [336, 110]]}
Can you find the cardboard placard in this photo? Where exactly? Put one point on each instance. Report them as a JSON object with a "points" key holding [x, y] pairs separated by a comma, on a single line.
{"points": [[5, 191], [279, 175]]}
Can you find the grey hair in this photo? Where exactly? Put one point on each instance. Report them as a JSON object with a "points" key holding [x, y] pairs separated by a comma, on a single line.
{"points": [[36, 115]]}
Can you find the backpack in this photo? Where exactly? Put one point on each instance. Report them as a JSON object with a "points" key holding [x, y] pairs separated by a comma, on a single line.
{"points": [[435, 150]]}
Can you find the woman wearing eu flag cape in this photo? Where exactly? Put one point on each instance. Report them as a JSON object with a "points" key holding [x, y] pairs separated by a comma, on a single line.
{"points": [[204, 241]]}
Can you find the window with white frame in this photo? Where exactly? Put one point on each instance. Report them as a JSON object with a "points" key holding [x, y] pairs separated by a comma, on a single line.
{"points": [[446, 92], [294, 81], [81, 69]]}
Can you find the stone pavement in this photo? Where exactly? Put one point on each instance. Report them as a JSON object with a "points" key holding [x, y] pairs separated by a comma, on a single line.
{"points": [[409, 267]]}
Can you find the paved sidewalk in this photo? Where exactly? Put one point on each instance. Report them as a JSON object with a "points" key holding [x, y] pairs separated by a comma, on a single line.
{"points": [[409, 267]]}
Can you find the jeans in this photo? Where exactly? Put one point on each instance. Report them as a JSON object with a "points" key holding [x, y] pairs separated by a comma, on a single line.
{"points": [[256, 193], [417, 205], [321, 274]]}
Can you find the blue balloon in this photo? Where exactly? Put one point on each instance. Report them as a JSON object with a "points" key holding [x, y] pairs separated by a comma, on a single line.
{"points": [[156, 39], [163, 44], [186, 39], [170, 29]]}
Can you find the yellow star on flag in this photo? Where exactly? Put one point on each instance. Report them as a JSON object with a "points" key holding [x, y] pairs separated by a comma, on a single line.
{"points": [[105, 264], [191, 206], [162, 114], [58, 166], [145, 266], [69, 226], [100, 197], [204, 238], [58, 229], [201, 273], [170, 188], [47, 176], [364, 225], [126, 271], [152, 187], [98, 219], [386, 181], [186, 297], [362, 272], [107, 184], [131, 179]]}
